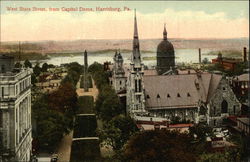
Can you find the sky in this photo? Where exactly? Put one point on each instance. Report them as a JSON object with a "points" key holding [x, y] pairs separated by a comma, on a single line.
{"points": [[184, 19]]}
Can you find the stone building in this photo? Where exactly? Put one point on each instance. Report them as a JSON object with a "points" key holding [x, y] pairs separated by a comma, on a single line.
{"points": [[15, 112], [135, 89], [200, 97], [192, 96]]}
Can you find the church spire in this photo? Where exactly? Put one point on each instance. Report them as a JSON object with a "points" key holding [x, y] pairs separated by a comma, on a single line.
{"points": [[136, 56], [165, 33], [135, 27]]}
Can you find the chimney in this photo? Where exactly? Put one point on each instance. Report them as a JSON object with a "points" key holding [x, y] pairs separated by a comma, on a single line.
{"points": [[244, 54], [199, 56]]}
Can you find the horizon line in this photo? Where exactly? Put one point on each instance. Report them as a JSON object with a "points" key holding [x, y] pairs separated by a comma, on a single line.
{"points": [[13, 41]]}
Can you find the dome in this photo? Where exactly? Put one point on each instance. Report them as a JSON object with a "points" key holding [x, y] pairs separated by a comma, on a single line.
{"points": [[165, 48]]}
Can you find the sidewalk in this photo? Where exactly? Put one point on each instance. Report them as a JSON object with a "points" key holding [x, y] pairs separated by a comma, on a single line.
{"points": [[65, 148]]}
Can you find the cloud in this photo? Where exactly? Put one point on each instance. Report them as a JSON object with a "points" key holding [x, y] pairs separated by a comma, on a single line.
{"points": [[29, 26]]}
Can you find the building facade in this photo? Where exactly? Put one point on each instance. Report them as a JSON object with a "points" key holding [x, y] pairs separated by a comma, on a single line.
{"points": [[135, 87], [118, 80], [15, 112]]}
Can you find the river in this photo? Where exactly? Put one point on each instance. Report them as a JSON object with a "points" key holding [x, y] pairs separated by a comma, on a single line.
{"points": [[182, 56]]}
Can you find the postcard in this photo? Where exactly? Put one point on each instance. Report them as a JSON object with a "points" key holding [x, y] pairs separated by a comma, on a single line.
{"points": [[124, 81]]}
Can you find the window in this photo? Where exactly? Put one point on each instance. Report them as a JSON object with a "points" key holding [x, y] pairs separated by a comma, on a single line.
{"points": [[234, 109], [148, 96], [16, 136], [120, 82], [1, 119], [178, 95], [136, 86], [3, 69], [188, 94], [224, 88], [2, 91], [214, 122], [214, 110], [224, 106], [139, 85], [168, 95], [16, 114], [158, 96]]}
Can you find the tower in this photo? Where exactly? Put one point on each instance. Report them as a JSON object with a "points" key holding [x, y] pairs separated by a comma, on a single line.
{"points": [[85, 85], [165, 55], [118, 77], [135, 87]]}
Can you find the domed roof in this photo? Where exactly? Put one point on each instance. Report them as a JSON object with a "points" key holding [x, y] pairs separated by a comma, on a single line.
{"points": [[165, 46]]}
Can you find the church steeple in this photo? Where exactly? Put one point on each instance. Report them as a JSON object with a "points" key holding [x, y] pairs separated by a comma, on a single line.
{"points": [[165, 33], [135, 27], [136, 56]]}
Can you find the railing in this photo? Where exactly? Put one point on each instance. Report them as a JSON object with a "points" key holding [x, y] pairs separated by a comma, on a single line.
{"points": [[11, 76]]}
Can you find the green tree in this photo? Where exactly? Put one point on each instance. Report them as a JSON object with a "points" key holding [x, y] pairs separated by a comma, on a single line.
{"points": [[160, 145], [95, 67], [205, 61], [108, 104], [37, 70], [45, 67], [27, 64], [117, 131], [33, 79]]}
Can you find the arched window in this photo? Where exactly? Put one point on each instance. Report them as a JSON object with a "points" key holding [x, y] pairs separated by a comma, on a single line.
{"points": [[224, 106]]}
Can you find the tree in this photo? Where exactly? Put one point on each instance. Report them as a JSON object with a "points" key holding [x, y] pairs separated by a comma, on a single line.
{"points": [[27, 64], [33, 79], [64, 99], [95, 67], [45, 67], [160, 145], [205, 61], [37, 70], [201, 131], [117, 131], [108, 104]]}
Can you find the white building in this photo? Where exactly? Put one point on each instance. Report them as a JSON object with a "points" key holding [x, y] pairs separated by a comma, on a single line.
{"points": [[15, 111], [118, 80]]}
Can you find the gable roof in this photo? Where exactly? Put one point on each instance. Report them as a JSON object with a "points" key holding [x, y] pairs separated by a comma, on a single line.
{"points": [[176, 91]]}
